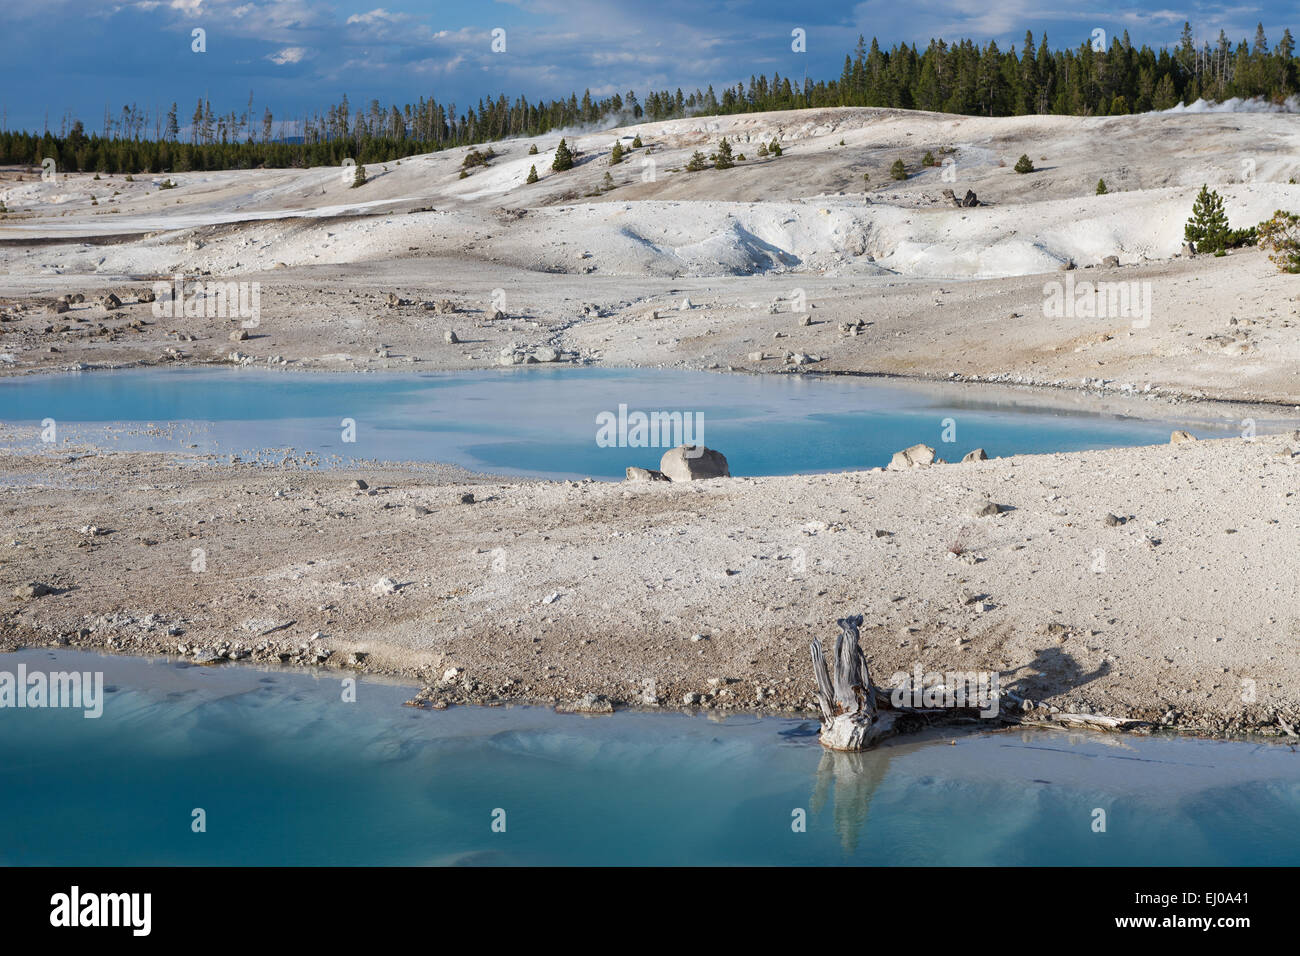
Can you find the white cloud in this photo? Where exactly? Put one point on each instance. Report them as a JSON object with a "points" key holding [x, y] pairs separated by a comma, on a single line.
{"points": [[290, 54]]}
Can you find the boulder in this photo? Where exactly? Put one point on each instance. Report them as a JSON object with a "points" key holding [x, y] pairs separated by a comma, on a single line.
{"points": [[239, 335], [450, 337], [546, 354], [110, 302], [914, 457], [986, 509], [1110, 261], [693, 463], [644, 474], [1178, 437], [977, 455], [969, 200], [32, 589]]}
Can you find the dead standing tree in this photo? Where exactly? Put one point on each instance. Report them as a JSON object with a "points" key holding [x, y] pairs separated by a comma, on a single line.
{"points": [[850, 720]]}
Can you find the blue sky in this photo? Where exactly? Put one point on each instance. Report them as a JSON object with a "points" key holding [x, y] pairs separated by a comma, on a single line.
{"points": [[78, 55]]}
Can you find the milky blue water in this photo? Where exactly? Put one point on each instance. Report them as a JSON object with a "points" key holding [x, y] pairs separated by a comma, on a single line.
{"points": [[287, 772], [544, 421]]}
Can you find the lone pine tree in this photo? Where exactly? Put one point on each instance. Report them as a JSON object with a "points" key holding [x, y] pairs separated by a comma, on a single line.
{"points": [[563, 158], [1207, 228]]}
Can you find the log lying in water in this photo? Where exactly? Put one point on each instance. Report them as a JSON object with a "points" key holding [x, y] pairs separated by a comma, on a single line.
{"points": [[850, 719]]}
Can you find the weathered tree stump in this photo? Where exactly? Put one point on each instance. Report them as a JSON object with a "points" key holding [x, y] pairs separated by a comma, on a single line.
{"points": [[850, 719]]}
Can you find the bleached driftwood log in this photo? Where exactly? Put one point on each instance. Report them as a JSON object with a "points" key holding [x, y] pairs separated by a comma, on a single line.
{"points": [[850, 720]]}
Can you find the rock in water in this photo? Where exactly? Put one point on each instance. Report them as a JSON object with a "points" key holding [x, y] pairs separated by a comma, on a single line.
{"points": [[914, 457], [693, 463]]}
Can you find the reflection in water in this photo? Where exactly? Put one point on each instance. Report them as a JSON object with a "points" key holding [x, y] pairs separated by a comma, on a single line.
{"points": [[849, 781]]}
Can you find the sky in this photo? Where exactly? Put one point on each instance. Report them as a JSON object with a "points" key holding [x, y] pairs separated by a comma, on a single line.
{"points": [[74, 57]]}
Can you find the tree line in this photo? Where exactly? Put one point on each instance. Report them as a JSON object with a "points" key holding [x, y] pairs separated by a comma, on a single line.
{"points": [[963, 78]]}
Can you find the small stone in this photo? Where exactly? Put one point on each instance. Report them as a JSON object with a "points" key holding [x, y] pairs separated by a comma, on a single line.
{"points": [[977, 455], [467, 498], [31, 590], [1178, 437], [1113, 521], [450, 337], [986, 509], [360, 485]]}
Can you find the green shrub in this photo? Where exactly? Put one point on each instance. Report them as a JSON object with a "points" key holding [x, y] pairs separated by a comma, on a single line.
{"points": [[1024, 164], [532, 175], [1101, 187], [1281, 235], [898, 170], [697, 162]]}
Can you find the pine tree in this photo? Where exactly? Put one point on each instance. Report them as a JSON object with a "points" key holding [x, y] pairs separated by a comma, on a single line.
{"points": [[898, 170], [616, 154], [607, 183], [1207, 228], [774, 148], [359, 177], [1101, 187], [532, 175], [1024, 164], [563, 158], [636, 142], [722, 159], [697, 163], [532, 150], [928, 159]]}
